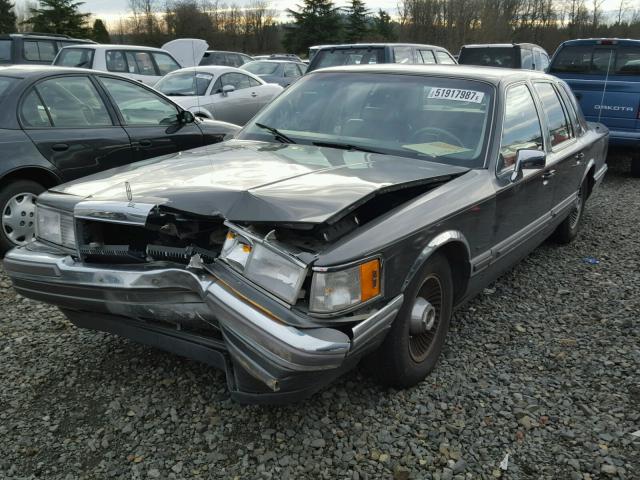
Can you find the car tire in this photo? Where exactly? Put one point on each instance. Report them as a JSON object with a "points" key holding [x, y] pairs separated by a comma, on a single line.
{"points": [[568, 229], [17, 213], [635, 164], [406, 358]]}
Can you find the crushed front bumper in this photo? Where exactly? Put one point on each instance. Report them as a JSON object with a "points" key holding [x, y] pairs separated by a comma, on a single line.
{"points": [[270, 354]]}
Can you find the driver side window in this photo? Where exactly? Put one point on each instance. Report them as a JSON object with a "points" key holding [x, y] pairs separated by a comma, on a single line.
{"points": [[521, 126], [138, 105]]}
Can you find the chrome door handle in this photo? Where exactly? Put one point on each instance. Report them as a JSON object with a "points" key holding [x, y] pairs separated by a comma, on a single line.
{"points": [[548, 175], [254, 94]]}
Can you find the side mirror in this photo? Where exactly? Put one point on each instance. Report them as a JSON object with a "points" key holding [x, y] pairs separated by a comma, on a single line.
{"points": [[528, 160], [227, 89], [185, 117]]}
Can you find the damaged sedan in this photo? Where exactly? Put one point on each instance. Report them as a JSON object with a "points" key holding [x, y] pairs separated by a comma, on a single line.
{"points": [[345, 222]]}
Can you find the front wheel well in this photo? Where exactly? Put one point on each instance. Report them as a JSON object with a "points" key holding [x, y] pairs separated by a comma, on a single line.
{"points": [[458, 257], [42, 176]]}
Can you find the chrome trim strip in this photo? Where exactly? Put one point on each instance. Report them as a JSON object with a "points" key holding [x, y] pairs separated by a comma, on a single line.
{"points": [[127, 213], [367, 330]]}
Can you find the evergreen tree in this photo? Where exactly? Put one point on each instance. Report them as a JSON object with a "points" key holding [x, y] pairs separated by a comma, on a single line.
{"points": [[357, 27], [59, 16], [7, 17], [99, 32], [316, 22], [383, 26]]}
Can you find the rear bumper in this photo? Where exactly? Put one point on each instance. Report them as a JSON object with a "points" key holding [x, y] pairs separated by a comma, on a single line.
{"points": [[266, 359]]}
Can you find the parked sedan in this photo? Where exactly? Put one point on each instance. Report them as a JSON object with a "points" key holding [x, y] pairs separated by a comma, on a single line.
{"points": [[282, 72], [58, 124], [224, 93], [345, 222]]}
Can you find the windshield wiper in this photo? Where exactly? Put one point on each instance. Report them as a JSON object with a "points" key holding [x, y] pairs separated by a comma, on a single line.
{"points": [[345, 146], [278, 135]]}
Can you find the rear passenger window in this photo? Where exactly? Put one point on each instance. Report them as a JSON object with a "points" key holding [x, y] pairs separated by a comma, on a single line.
{"points": [[426, 56], [39, 50], [521, 127], [73, 102], [290, 70], [115, 61], [32, 111], [165, 63], [5, 50], [573, 110], [527, 58], [444, 58], [402, 55], [559, 129], [144, 63]]}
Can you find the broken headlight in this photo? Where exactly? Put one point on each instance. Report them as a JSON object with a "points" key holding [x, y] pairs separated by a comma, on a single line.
{"points": [[333, 291], [273, 271], [55, 227]]}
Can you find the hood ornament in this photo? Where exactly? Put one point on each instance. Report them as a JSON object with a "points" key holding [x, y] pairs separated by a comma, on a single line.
{"points": [[127, 188]]}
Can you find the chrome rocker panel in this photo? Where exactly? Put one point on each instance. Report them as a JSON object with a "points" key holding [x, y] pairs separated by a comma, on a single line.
{"points": [[265, 359]]}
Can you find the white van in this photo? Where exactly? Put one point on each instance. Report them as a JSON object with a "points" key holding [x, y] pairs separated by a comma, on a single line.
{"points": [[145, 64]]}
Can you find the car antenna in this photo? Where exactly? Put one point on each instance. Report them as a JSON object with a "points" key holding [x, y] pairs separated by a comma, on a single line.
{"points": [[606, 80]]}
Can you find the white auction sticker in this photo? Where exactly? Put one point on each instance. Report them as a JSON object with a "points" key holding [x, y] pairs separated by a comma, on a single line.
{"points": [[458, 94]]}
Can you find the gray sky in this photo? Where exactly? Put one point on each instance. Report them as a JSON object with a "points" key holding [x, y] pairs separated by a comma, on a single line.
{"points": [[110, 10]]}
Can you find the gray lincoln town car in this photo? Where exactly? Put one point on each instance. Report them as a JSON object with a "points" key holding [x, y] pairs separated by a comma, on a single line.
{"points": [[345, 222]]}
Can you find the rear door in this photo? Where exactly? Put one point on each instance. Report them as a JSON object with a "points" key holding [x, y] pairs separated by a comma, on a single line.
{"points": [[565, 156], [587, 68], [150, 120], [73, 126]]}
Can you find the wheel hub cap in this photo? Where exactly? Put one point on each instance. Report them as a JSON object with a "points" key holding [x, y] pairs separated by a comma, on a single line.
{"points": [[18, 218], [423, 316]]}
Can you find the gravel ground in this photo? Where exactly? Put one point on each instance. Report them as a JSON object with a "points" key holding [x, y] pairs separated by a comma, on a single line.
{"points": [[542, 367]]}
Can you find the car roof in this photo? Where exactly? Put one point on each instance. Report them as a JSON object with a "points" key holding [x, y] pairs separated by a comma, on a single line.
{"points": [[215, 69], [226, 51], [272, 60], [36, 71], [494, 75], [378, 45], [605, 41], [105, 46], [500, 45]]}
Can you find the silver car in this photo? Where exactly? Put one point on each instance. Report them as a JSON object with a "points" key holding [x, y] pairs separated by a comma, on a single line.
{"points": [[221, 93], [282, 72]]}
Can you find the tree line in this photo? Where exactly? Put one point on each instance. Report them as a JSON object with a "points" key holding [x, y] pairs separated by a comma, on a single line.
{"points": [[256, 27]]}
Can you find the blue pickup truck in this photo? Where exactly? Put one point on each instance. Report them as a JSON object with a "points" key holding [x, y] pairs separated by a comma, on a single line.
{"points": [[604, 75]]}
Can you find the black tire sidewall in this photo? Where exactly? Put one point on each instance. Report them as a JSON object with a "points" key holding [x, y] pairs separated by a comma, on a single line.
{"points": [[392, 363], [7, 191]]}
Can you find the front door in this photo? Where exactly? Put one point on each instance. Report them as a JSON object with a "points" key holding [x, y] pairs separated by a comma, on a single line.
{"points": [[150, 120], [69, 122], [239, 105], [522, 205]]}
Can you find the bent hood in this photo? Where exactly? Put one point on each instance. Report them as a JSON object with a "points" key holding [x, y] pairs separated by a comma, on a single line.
{"points": [[248, 181]]}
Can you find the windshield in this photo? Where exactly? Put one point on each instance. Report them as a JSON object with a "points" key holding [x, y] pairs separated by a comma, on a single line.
{"points": [[347, 56], [5, 51], [5, 85], [75, 57], [489, 57], [407, 115], [597, 59], [183, 84], [261, 68]]}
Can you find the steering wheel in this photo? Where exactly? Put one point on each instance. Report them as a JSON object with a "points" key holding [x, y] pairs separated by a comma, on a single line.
{"points": [[436, 133]]}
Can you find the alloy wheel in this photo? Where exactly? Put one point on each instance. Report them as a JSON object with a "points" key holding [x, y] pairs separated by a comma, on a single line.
{"points": [[576, 212]]}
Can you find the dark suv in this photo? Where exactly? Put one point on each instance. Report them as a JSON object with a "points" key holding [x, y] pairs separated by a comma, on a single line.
{"points": [[370, 53], [226, 59], [527, 56], [33, 48]]}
